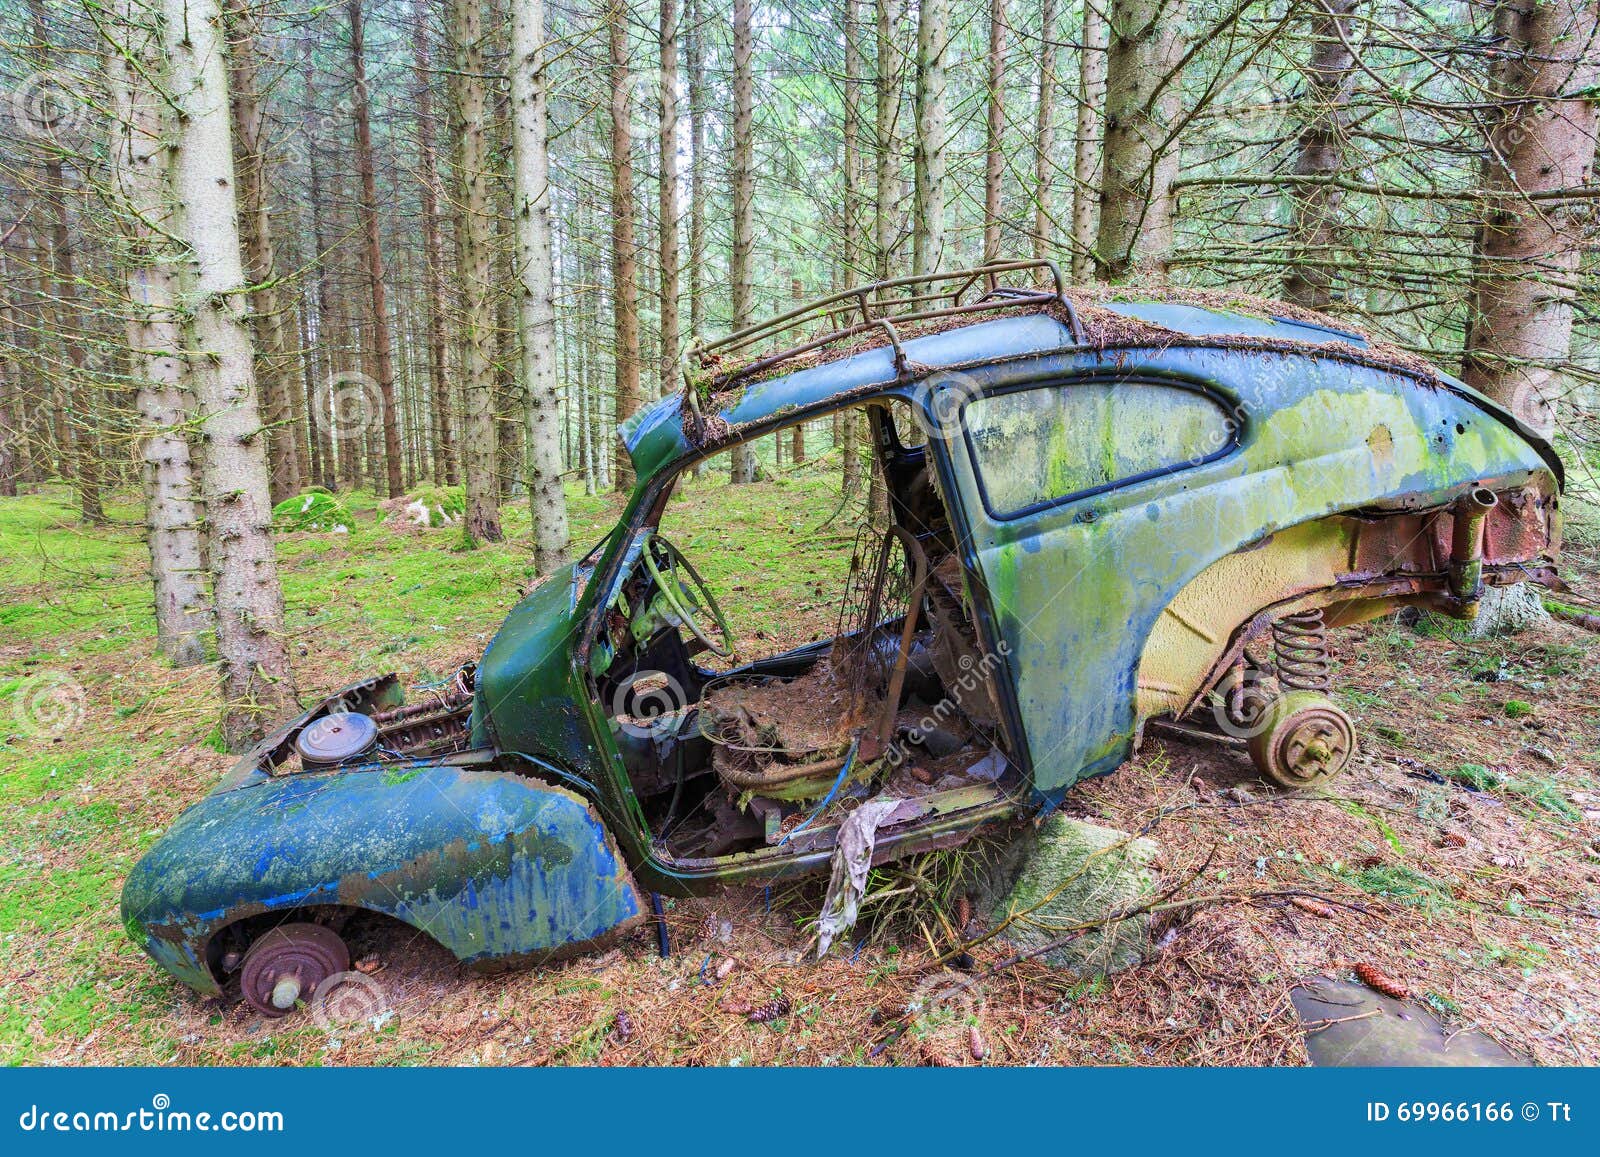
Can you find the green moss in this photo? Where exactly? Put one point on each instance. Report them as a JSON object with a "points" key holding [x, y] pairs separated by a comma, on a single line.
{"points": [[314, 510]]}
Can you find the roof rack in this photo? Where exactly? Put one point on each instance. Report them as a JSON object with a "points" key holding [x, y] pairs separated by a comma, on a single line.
{"points": [[876, 306]]}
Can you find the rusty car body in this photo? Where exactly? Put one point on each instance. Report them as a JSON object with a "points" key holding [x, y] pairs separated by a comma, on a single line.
{"points": [[1101, 513]]}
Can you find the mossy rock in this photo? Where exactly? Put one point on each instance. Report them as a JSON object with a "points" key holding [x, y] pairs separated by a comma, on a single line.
{"points": [[1066, 873], [427, 508], [315, 510]]}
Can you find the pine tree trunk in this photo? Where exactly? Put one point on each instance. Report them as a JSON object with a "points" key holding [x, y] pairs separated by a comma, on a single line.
{"points": [[257, 683], [255, 229], [1143, 103], [855, 256], [933, 38], [536, 283], [697, 182], [1044, 133], [667, 204], [479, 447], [444, 449], [624, 255], [994, 162], [372, 251], [743, 467], [886, 134], [73, 409], [1086, 170], [155, 337], [1526, 268], [1329, 77]]}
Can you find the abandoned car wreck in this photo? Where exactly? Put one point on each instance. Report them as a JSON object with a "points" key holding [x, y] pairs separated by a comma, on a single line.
{"points": [[1101, 514]]}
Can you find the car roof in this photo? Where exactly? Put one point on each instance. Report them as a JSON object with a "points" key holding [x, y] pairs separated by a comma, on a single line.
{"points": [[654, 434]]}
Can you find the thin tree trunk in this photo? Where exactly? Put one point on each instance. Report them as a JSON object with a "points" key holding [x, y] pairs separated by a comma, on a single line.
{"points": [[743, 466], [75, 410], [536, 283], [667, 203], [476, 270], [1143, 103], [624, 255], [886, 135], [325, 467], [255, 229], [1044, 133], [933, 38], [845, 424], [1329, 78], [257, 683], [697, 183], [1086, 170], [994, 164], [1525, 275], [155, 337], [444, 449], [372, 251]]}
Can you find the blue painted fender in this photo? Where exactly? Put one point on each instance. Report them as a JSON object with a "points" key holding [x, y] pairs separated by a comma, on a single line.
{"points": [[494, 866]]}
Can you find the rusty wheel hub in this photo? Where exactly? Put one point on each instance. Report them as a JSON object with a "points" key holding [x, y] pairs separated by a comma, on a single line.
{"points": [[1304, 739], [285, 966]]}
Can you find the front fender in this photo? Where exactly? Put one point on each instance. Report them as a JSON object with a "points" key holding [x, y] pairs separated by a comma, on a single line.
{"points": [[494, 866]]}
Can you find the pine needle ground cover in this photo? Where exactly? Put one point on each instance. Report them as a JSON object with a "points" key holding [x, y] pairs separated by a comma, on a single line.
{"points": [[1460, 857]]}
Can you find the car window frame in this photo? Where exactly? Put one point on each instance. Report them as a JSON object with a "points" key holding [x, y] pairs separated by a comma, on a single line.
{"points": [[1231, 411]]}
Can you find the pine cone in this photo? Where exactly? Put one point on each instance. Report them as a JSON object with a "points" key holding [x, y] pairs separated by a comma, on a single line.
{"points": [[1315, 907], [1376, 979], [772, 1010]]}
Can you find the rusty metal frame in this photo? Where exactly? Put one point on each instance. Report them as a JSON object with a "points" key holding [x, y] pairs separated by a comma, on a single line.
{"points": [[879, 306]]}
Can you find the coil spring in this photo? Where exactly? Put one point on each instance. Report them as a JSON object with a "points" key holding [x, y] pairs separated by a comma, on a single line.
{"points": [[1300, 647]]}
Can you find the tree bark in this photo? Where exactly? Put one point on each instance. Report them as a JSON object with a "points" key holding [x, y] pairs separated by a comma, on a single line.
{"points": [[1143, 104], [886, 134], [667, 205], [846, 423], [255, 229], [1086, 172], [536, 316], [372, 252], [933, 38], [478, 451], [624, 255], [1044, 132], [1314, 207], [697, 194], [743, 465], [444, 449], [74, 408], [1526, 268], [994, 162], [155, 336], [257, 683]]}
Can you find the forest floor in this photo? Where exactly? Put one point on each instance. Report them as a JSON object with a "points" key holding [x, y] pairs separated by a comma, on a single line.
{"points": [[1461, 853]]}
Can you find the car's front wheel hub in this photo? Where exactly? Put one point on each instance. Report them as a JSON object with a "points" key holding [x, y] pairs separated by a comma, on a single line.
{"points": [[285, 966]]}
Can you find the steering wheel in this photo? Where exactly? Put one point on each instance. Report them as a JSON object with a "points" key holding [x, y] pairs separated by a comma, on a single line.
{"points": [[661, 561]]}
